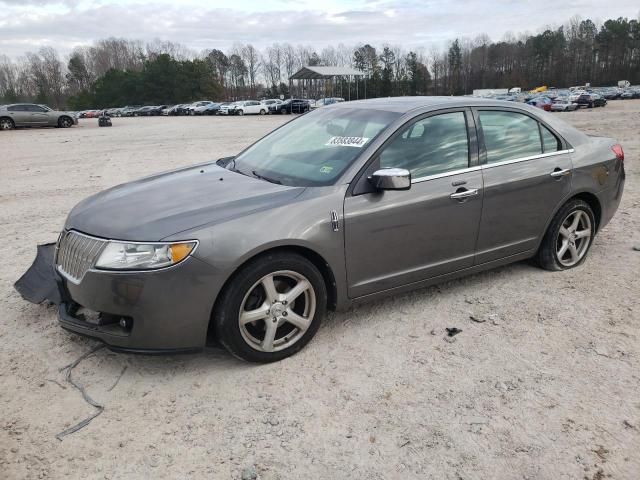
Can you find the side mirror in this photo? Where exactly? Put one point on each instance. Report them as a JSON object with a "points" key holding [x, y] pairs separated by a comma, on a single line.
{"points": [[391, 179]]}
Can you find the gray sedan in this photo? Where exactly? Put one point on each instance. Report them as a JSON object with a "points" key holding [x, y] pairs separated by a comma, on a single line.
{"points": [[348, 203], [32, 115]]}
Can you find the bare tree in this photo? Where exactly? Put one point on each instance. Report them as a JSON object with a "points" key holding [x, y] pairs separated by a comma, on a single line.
{"points": [[251, 59]]}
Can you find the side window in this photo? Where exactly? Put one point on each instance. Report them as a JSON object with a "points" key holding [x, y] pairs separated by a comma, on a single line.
{"points": [[509, 135], [36, 108], [550, 143], [430, 146], [18, 108]]}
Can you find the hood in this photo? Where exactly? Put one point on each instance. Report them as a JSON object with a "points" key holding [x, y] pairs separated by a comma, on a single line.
{"points": [[155, 207]]}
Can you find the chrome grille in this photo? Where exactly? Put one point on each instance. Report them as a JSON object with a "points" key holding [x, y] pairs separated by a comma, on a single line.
{"points": [[77, 253]]}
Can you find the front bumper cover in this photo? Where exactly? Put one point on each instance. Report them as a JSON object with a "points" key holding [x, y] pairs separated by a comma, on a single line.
{"points": [[166, 311]]}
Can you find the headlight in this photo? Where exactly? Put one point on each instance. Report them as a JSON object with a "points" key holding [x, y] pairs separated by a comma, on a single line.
{"points": [[143, 256]]}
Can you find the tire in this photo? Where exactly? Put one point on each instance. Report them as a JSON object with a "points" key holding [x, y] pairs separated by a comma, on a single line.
{"points": [[262, 112], [65, 122], [245, 293], [557, 249], [240, 112], [7, 124]]}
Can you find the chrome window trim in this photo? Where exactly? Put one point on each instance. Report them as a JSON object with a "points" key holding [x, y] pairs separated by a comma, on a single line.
{"points": [[445, 174], [489, 165], [525, 159]]}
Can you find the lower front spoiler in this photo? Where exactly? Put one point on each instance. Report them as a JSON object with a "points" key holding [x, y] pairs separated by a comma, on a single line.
{"points": [[112, 335]]}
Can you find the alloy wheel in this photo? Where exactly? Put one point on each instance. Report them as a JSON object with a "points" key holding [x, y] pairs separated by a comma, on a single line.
{"points": [[574, 237], [65, 123], [277, 311], [6, 124]]}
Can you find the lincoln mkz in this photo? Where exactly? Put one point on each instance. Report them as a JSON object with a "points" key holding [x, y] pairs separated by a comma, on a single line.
{"points": [[346, 203]]}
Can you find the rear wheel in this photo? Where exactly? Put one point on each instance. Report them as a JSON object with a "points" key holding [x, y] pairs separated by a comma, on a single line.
{"points": [[262, 112], [568, 238], [272, 308], [6, 124]]}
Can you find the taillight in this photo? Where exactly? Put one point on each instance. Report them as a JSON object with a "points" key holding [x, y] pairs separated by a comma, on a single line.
{"points": [[617, 149]]}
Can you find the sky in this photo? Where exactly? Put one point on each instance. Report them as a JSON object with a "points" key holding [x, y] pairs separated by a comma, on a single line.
{"points": [[27, 25]]}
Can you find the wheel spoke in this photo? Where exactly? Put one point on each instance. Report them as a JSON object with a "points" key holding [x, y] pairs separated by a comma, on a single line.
{"points": [[564, 232], [270, 289], [296, 291], [574, 253], [269, 336], [583, 233], [297, 320], [563, 249], [576, 221], [249, 316]]}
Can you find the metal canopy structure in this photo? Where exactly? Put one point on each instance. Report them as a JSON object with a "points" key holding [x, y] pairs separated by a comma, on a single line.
{"points": [[324, 73], [314, 81]]}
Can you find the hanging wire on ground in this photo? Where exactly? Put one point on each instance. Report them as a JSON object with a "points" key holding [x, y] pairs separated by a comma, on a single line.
{"points": [[85, 395], [124, 369]]}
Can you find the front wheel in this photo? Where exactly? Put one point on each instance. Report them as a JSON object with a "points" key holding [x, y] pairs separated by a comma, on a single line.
{"points": [[240, 112], [568, 238], [262, 112], [272, 308], [65, 122]]}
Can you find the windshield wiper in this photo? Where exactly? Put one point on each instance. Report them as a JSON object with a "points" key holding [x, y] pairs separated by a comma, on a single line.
{"points": [[262, 177]]}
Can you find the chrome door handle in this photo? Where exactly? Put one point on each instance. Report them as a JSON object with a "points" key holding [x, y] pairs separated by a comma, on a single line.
{"points": [[464, 194], [560, 173]]}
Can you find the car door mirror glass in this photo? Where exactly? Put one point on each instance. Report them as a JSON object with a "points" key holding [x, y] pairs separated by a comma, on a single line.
{"points": [[391, 179]]}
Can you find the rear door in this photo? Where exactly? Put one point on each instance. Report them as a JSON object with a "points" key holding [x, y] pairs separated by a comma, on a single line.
{"points": [[526, 168], [394, 238], [20, 114]]}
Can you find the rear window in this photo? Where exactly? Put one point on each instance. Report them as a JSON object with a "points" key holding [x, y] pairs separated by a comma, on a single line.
{"points": [[509, 135], [550, 143]]}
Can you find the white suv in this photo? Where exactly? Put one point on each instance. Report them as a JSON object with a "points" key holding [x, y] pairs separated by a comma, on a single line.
{"points": [[251, 107]]}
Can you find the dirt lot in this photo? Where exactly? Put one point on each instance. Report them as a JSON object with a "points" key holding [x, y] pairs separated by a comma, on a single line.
{"points": [[546, 388]]}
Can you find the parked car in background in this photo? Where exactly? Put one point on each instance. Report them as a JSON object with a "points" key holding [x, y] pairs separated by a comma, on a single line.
{"points": [[322, 102], [129, 111], [149, 111], [206, 108], [252, 250], [563, 105], [295, 105], [192, 107], [543, 103], [33, 115], [590, 100], [251, 107], [630, 94], [167, 109], [227, 108], [271, 102]]}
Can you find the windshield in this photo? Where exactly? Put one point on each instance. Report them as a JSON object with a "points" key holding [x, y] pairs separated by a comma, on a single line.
{"points": [[314, 149]]}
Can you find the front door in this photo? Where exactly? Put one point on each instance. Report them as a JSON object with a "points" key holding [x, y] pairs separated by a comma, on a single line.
{"points": [[39, 115], [526, 173], [394, 238]]}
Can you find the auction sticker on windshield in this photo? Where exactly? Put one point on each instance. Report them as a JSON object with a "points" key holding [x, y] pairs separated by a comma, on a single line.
{"points": [[357, 142]]}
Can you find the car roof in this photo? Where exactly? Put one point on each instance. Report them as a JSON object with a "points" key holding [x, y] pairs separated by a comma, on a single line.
{"points": [[406, 104]]}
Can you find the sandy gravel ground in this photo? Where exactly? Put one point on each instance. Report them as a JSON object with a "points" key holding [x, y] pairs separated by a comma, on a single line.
{"points": [[546, 388]]}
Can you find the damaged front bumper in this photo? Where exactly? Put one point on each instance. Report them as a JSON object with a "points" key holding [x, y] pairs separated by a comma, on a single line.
{"points": [[163, 311]]}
